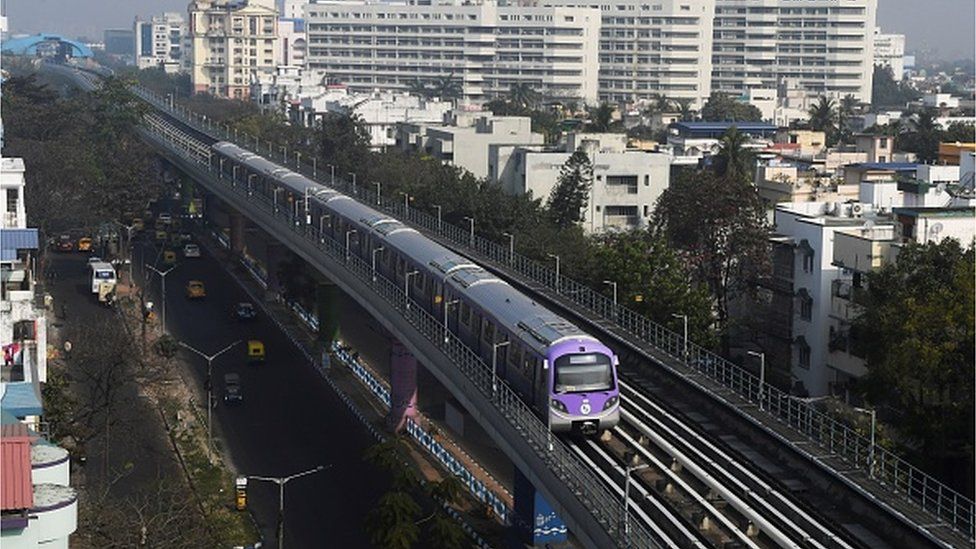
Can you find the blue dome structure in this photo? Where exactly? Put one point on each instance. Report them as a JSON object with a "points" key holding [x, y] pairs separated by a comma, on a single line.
{"points": [[28, 45]]}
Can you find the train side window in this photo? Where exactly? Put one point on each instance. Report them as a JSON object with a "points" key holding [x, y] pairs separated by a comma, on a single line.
{"points": [[488, 334], [386, 256], [399, 266], [515, 357], [418, 281], [465, 314]]}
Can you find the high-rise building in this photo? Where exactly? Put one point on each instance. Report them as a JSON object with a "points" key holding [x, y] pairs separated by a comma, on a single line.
{"points": [[651, 49], [118, 42], [486, 48], [233, 43], [159, 41], [889, 51], [294, 9], [824, 47]]}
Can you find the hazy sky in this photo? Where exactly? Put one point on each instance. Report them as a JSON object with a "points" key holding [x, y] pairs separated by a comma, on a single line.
{"points": [[945, 25]]}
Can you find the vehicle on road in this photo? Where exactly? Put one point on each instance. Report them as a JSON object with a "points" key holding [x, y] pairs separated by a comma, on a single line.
{"points": [[255, 351], [195, 290], [84, 244], [64, 243], [191, 250], [232, 389], [165, 218], [103, 281], [160, 236], [94, 259], [245, 311], [169, 257], [138, 224]]}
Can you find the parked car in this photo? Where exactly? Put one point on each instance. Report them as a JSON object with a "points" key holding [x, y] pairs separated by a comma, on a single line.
{"points": [[195, 290], [65, 243], [245, 311], [232, 389], [191, 250], [165, 218]]}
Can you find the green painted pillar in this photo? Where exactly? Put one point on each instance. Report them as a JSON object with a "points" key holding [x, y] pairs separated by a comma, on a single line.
{"points": [[327, 311]]}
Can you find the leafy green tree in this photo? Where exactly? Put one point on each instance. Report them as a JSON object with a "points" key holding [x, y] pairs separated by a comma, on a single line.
{"points": [[652, 279], [569, 197], [343, 141], [922, 137], [448, 88], [961, 132], [523, 96], [601, 118], [845, 112], [718, 225], [720, 107], [916, 334], [420, 89], [685, 109], [886, 92]]}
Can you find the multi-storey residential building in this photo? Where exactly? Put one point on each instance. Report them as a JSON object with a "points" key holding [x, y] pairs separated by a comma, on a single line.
{"points": [[626, 182], [292, 42], [485, 47], [651, 49], [466, 140], [159, 42], [233, 43], [294, 9], [889, 51], [826, 46]]}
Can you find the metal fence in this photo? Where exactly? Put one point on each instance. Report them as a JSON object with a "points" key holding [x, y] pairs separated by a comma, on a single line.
{"points": [[590, 492], [889, 470]]}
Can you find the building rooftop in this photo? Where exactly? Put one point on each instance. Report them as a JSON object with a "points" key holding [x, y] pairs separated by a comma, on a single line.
{"points": [[16, 491], [893, 166], [717, 129], [963, 211], [12, 240]]}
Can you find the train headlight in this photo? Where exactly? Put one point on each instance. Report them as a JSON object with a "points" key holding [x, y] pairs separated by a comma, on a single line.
{"points": [[610, 403], [558, 406]]}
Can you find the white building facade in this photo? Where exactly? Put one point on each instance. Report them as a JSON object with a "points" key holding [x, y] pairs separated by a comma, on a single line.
{"points": [[485, 47], [889, 51], [233, 44], [825, 46], [651, 49], [159, 42]]}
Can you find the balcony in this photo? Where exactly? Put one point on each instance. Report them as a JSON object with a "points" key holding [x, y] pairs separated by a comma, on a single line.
{"points": [[621, 221]]}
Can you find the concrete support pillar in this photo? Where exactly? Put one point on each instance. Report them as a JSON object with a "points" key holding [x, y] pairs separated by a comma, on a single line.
{"points": [[327, 313], [403, 387], [536, 524], [237, 225]]}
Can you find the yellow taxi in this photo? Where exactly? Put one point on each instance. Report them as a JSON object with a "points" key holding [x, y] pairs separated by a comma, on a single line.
{"points": [[195, 290], [255, 351], [84, 244], [161, 236]]}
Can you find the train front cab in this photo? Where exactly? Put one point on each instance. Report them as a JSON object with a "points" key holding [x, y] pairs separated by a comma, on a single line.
{"points": [[582, 382]]}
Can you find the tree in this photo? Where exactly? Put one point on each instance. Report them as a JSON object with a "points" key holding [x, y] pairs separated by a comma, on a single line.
{"points": [[922, 136], [961, 132], [523, 96], [734, 160], [916, 334], [448, 88], [718, 225], [420, 89], [601, 118], [642, 264], [823, 118], [886, 92], [343, 141], [720, 107], [685, 109], [569, 197], [845, 112]]}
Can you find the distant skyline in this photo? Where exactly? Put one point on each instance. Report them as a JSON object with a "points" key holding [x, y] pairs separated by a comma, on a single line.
{"points": [[943, 25]]}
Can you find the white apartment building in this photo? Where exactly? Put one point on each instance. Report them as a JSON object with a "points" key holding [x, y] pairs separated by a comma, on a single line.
{"points": [[651, 49], [889, 51], [467, 139], [233, 43], [486, 47], [626, 182], [294, 9], [292, 42], [159, 42], [826, 46]]}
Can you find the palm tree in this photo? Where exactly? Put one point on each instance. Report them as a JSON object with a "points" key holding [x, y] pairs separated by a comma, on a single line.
{"points": [[734, 159], [848, 104], [523, 96], [418, 88], [448, 88], [923, 136], [683, 104], [601, 118], [823, 116]]}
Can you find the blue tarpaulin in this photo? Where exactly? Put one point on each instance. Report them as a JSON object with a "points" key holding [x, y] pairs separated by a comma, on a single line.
{"points": [[20, 399]]}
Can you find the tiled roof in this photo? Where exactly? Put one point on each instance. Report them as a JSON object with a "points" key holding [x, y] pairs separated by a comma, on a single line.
{"points": [[16, 491]]}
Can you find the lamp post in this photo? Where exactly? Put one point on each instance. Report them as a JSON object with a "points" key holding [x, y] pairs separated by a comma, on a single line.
{"points": [[556, 257], [162, 275], [332, 172], [275, 196], [762, 374], [220, 167], [322, 219], [511, 246], [684, 340], [234, 173], [284, 154], [375, 251], [209, 384], [349, 232], [438, 208], [406, 286], [494, 365], [447, 305], [250, 186], [406, 205], [626, 503], [379, 188], [874, 425], [470, 220], [612, 285], [354, 189], [315, 167], [281, 482]]}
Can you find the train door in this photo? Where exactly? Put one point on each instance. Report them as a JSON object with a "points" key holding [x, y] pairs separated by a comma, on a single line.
{"points": [[540, 380]]}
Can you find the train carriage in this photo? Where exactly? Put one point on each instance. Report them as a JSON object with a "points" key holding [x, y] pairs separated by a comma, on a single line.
{"points": [[567, 376]]}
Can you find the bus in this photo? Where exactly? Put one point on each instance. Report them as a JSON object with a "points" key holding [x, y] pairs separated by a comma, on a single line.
{"points": [[102, 273]]}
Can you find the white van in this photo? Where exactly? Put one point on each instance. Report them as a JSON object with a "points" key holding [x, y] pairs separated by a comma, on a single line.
{"points": [[102, 273]]}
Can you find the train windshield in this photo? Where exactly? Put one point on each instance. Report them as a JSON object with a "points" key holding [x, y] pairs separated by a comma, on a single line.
{"points": [[581, 373]]}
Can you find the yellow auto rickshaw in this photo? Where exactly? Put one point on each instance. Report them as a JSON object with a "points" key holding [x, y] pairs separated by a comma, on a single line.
{"points": [[169, 257], [138, 224], [161, 236], [255, 351], [84, 244]]}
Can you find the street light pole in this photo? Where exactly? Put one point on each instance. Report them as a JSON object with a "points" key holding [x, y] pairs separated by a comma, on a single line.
{"points": [[438, 217], [556, 257], [210, 359], [494, 365], [613, 285], [471, 237], [406, 205], [281, 482], [406, 286], [874, 425], [322, 219], [354, 189], [626, 507], [511, 246], [378, 189], [162, 276], [684, 340], [349, 232], [762, 374], [375, 251], [447, 305]]}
